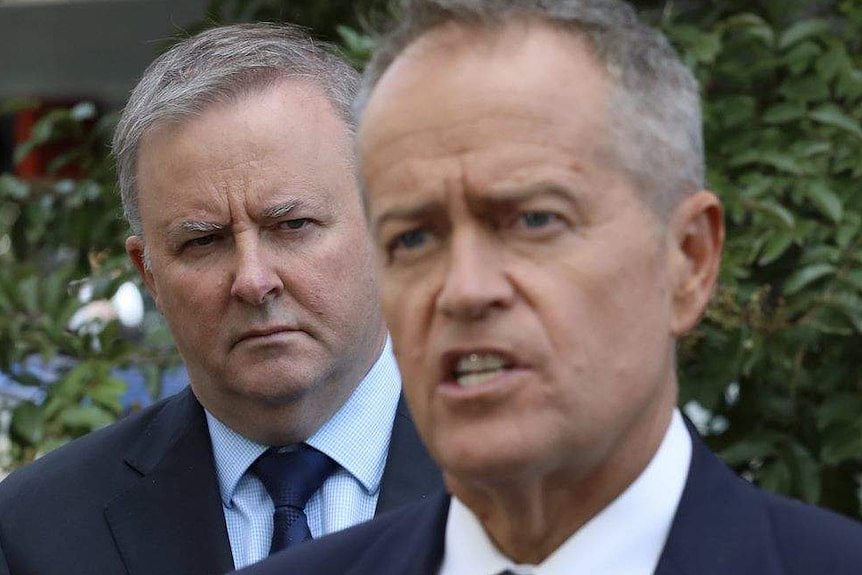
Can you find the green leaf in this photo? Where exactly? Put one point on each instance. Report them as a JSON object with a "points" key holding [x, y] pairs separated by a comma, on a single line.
{"points": [[840, 408], [825, 200], [27, 424], [86, 417], [775, 246], [775, 209], [807, 276], [801, 31], [107, 393], [801, 57], [775, 477], [846, 445], [772, 158], [747, 450], [13, 188], [804, 472], [854, 278], [831, 115], [753, 25], [28, 291], [804, 89], [784, 113]]}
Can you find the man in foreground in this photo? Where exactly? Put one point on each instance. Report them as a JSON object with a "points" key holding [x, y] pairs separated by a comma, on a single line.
{"points": [[535, 186], [235, 164]]}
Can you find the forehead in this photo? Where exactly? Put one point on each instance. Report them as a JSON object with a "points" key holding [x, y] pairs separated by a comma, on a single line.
{"points": [[284, 138], [288, 113], [502, 99]]}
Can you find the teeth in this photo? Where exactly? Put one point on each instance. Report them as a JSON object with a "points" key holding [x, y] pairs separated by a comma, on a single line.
{"points": [[474, 379], [476, 368], [479, 362]]}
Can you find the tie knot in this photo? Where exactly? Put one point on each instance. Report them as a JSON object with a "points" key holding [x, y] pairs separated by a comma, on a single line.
{"points": [[291, 476]]}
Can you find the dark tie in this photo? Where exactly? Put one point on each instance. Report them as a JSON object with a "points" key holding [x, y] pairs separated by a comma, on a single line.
{"points": [[291, 476]]}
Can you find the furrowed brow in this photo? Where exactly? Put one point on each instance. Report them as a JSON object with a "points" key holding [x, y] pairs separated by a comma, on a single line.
{"points": [[406, 213], [516, 194], [193, 227], [279, 210]]}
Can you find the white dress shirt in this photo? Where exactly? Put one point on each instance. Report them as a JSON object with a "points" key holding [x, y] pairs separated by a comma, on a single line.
{"points": [[356, 438], [625, 538]]}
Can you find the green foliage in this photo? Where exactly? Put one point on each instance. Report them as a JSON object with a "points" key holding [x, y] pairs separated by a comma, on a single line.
{"points": [[782, 87], [783, 120], [58, 233]]}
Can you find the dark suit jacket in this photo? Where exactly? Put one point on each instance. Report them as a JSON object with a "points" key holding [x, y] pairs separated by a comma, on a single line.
{"points": [[723, 526], [141, 498]]}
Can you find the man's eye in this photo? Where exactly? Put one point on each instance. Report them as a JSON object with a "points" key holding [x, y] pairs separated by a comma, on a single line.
{"points": [[202, 241], [409, 245], [410, 240], [537, 220], [295, 224]]}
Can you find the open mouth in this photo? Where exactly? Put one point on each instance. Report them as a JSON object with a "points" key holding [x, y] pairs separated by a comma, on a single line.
{"points": [[472, 369]]}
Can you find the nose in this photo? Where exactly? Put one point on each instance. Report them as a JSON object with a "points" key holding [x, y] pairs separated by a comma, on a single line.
{"points": [[256, 279], [476, 283]]}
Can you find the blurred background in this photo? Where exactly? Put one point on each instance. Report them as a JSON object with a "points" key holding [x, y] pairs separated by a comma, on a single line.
{"points": [[772, 377]]}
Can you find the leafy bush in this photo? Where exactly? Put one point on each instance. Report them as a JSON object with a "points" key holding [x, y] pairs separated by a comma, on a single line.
{"points": [[60, 237], [776, 361], [771, 375]]}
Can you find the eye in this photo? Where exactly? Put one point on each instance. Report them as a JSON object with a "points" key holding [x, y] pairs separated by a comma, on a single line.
{"points": [[201, 241], [537, 220], [410, 240], [409, 245], [294, 224]]}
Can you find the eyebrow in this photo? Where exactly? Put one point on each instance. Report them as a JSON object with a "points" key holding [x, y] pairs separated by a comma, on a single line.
{"points": [[507, 194], [502, 195], [408, 212], [193, 227], [279, 210], [206, 227]]}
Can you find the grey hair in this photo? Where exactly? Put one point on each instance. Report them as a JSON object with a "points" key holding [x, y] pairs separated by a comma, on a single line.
{"points": [[216, 66], [654, 105]]}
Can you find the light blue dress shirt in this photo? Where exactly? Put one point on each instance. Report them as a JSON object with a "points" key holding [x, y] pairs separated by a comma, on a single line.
{"points": [[357, 438]]}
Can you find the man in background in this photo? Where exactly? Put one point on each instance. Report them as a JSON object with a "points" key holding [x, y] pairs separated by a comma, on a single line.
{"points": [[235, 165], [534, 175]]}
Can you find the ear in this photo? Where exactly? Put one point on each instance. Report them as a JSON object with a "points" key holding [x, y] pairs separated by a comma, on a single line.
{"points": [[696, 233], [135, 250]]}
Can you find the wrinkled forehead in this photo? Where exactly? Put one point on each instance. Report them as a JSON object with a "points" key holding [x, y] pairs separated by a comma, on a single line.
{"points": [[459, 84]]}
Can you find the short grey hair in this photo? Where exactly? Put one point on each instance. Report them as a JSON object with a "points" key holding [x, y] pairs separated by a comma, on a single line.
{"points": [[654, 105], [221, 65]]}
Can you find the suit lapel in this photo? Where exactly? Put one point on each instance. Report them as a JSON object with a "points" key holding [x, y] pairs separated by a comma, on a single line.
{"points": [[172, 522], [410, 473], [413, 545], [720, 525]]}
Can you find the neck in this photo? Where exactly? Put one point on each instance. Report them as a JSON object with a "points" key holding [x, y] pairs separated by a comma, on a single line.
{"points": [[528, 518]]}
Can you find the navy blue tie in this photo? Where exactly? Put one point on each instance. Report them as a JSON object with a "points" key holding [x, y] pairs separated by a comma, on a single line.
{"points": [[291, 476]]}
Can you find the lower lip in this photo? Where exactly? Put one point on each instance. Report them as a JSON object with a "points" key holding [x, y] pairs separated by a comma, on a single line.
{"points": [[271, 338]]}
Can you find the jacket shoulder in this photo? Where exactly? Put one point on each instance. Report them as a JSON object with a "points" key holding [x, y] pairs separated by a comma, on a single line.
{"points": [[814, 540], [84, 464]]}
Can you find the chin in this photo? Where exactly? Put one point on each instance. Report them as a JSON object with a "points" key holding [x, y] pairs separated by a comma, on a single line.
{"points": [[273, 387], [480, 459]]}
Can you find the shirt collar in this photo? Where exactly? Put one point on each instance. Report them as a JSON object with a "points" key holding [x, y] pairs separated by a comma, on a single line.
{"points": [[356, 437], [627, 536], [233, 453]]}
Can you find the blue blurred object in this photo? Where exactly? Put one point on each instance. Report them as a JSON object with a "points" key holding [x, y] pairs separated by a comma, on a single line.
{"points": [[138, 395], [44, 373], [17, 393]]}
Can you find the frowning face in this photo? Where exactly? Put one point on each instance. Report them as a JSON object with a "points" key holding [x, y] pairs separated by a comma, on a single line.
{"points": [[260, 258], [527, 287]]}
